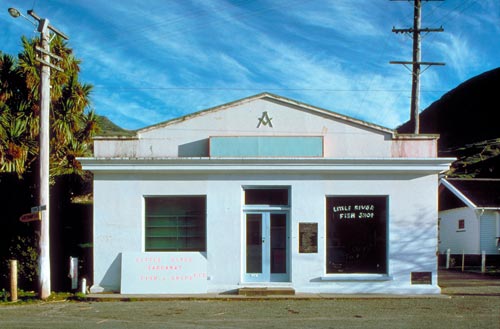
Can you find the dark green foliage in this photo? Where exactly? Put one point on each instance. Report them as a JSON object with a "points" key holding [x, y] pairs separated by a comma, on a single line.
{"points": [[24, 249], [17, 195], [72, 122], [4, 295], [477, 160], [73, 125]]}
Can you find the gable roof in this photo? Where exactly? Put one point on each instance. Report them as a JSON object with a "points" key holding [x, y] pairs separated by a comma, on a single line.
{"points": [[278, 99], [477, 193]]}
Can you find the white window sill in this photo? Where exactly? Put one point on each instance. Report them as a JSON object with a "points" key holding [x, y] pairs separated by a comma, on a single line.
{"points": [[461, 230], [356, 277]]}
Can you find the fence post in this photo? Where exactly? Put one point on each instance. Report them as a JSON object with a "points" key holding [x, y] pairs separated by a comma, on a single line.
{"points": [[483, 261], [448, 253], [13, 280], [463, 259]]}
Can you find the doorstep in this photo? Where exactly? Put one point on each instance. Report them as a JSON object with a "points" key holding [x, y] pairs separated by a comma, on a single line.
{"points": [[266, 291]]}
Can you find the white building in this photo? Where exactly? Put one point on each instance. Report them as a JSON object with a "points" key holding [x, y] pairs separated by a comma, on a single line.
{"points": [[266, 192], [469, 216]]}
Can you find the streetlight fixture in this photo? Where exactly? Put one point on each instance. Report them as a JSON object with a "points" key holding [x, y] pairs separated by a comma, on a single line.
{"points": [[43, 207], [14, 12]]}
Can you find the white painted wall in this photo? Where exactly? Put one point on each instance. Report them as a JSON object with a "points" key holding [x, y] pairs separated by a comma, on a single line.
{"points": [[412, 232], [458, 241], [189, 137], [363, 159], [489, 228]]}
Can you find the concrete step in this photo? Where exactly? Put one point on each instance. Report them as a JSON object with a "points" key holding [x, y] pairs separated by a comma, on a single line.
{"points": [[266, 291]]}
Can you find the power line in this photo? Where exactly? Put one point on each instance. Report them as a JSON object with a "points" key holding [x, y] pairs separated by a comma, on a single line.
{"points": [[104, 87], [461, 7], [191, 17]]}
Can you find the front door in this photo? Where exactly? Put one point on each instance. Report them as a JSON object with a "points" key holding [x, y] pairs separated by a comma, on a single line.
{"points": [[266, 247]]}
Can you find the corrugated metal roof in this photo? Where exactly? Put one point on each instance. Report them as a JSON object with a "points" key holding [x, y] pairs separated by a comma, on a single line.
{"points": [[482, 192]]}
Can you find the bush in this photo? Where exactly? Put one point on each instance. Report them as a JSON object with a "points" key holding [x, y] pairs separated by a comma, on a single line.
{"points": [[4, 295], [24, 249]]}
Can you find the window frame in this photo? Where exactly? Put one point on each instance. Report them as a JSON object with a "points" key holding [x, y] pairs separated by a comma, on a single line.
{"points": [[383, 223], [180, 234]]}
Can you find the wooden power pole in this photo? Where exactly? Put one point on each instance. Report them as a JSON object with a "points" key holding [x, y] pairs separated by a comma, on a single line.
{"points": [[416, 63]]}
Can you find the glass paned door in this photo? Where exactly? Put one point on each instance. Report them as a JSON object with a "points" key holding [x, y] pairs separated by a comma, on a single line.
{"points": [[254, 243], [266, 247]]}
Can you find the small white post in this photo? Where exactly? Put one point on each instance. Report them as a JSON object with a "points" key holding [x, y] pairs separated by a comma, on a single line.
{"points": [[448, 255], [483, 261], [84, 286], [73, 272]]}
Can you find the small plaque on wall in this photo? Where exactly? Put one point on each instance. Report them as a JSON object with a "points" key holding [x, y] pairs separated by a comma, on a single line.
{"points": [[308, 238]]}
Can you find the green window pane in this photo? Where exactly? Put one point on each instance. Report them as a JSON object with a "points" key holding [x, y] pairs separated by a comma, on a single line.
{"points": [[176, 223]]}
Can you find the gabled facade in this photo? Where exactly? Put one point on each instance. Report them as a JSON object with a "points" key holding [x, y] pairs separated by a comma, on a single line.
{"points": [[266, 192], [469, 216]]}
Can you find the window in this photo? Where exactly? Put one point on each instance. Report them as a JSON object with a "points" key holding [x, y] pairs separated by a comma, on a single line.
{"points": [[461, 224], [266, 196], [175, 223], [356, 234]]}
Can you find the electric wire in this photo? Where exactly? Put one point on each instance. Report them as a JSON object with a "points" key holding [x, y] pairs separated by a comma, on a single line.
{"points": [[187, 23]]}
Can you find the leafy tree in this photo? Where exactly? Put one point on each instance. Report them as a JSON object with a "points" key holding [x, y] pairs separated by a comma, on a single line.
{"points": [[72, 124]]}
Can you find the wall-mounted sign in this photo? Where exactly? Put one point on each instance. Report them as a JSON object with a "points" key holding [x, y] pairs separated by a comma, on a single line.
{"points": [[421, 277], [163, 273], [354, 210], [265, 120], [308, 237]]}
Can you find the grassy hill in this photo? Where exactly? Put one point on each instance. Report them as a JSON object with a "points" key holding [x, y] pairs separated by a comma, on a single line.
{"points": [[108, 128]]}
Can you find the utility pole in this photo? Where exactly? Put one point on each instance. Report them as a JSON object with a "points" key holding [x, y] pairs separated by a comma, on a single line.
{"points": [[44, 157], [416, 62]]}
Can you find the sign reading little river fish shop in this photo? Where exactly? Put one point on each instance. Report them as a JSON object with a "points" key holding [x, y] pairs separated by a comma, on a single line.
{"points": [[354, 211], [163, 273]]}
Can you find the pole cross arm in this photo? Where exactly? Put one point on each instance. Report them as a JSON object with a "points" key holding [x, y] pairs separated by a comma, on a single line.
{"points": [[48, 53], [426, 64], [38, 59], [411, 30], [419, 63], [50, 27]]}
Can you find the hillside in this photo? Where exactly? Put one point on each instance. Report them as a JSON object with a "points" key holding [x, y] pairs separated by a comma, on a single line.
{"points": [[108, 128], [467, 120]]}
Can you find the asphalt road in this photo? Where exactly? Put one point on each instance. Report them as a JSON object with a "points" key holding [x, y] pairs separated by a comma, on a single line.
{"points": [[473, 302]]}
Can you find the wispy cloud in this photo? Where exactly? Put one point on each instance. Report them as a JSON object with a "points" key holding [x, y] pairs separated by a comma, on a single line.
{"points": [[154, 61], [458, 54]]}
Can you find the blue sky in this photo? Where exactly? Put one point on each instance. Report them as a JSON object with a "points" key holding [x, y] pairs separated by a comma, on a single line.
{"points": [[151, 61]]}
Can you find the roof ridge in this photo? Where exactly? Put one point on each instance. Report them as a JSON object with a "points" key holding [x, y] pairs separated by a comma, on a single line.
{"points": [[275, 97]]}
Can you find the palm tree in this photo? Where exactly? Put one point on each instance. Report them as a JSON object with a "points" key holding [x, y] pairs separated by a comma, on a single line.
{"points": [[72, 122], [16, 145]]}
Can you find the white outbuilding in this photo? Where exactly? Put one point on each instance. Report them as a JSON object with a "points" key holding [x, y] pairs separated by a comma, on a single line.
{"points": [[469, 217], [266, 192]]}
